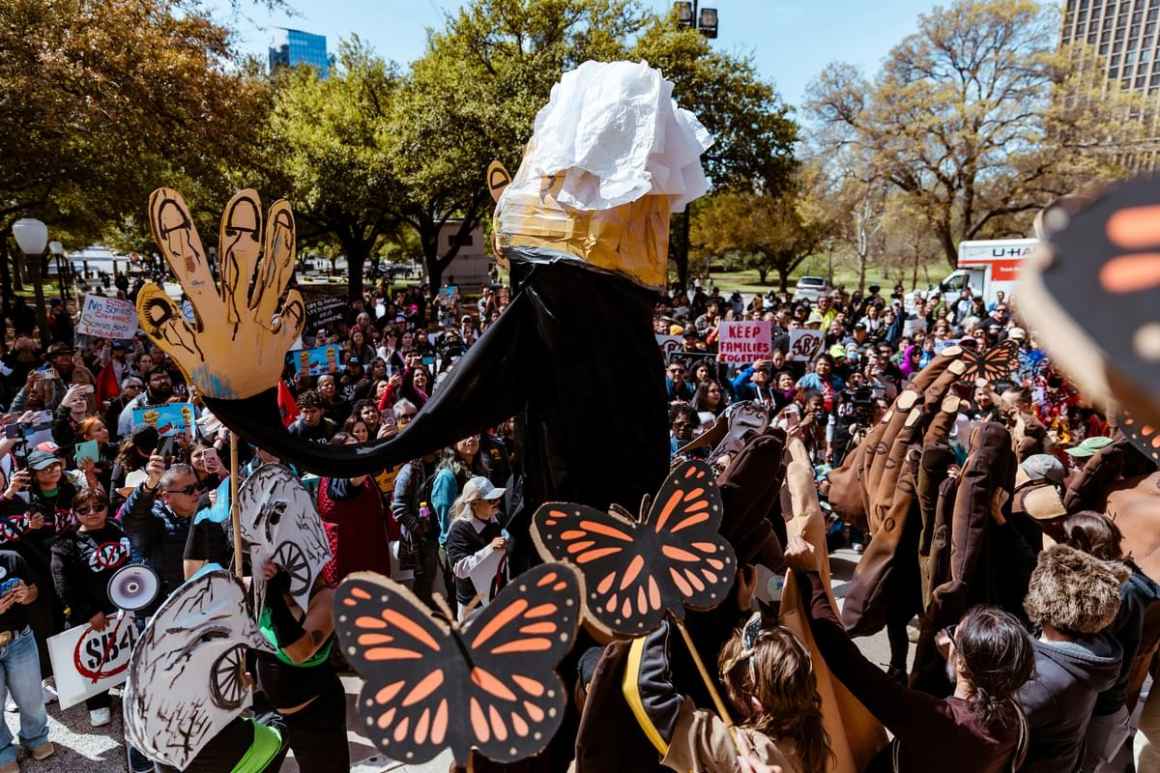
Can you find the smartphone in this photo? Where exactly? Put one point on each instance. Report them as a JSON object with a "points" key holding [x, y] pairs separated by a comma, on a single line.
{"points": [[14, 431], [8, 586]]}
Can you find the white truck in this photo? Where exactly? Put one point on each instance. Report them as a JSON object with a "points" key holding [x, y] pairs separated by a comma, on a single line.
{"points": [[987, 267]]}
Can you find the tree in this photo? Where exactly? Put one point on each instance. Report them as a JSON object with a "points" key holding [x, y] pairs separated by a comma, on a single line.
{"points": [[754, 137], [474, 95], [102, 102], [770, 233], [329, 150], [977, 118]]}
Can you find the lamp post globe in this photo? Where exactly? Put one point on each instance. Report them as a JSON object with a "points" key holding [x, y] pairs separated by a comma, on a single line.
{"points": [[31, 235]]}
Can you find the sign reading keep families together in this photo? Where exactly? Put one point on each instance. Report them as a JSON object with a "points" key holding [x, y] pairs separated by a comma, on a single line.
{"points": [[739, 343]]}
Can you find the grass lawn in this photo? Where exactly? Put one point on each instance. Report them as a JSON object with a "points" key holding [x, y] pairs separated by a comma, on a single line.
{"points": [[748, 282]]}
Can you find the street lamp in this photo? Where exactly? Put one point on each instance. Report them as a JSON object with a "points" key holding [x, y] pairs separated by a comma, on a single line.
{"points": [[32, 237], [690, 15]]}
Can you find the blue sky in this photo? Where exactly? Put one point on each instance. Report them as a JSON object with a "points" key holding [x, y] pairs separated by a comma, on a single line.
{"points": [[791, 40]]}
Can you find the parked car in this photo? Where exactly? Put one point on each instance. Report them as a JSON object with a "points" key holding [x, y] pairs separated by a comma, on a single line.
{"points": [[810, 288]]}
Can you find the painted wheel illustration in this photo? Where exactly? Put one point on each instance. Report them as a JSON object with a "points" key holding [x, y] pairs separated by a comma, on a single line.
{"points": [[293, 561], [227, 685]]}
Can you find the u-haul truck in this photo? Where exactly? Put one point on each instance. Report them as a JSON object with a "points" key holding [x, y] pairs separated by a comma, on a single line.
{"points": [[986, 267]]}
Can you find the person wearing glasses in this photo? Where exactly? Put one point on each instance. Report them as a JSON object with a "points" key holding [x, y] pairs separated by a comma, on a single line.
{"points": [[675, 384], [82, 563], [157, 517]]}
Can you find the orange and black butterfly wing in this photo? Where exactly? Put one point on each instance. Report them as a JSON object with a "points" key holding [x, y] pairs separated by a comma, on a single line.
{"points": [[414, 697], [626, 592], [699, 565], [1105, 273], [990, 364], [1143, 436], [515, 700]]}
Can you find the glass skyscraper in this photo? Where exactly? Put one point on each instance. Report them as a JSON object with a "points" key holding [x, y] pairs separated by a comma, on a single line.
{"points": [[294, 47]]}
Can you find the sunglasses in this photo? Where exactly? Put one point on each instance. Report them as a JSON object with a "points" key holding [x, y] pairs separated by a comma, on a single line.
{"points": [[82, 511], [186, 490]]}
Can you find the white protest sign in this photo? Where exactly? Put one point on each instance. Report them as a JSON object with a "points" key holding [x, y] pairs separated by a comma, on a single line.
{"points": [[87, 662], [670, 344], [107, 318], [805, 344], [739, 343]]}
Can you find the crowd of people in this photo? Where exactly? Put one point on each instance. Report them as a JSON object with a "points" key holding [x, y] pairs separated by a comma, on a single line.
{"points": [[1048, 675]]}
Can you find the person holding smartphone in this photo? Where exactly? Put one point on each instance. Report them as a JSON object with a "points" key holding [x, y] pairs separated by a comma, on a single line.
{"points": [[20, 664]]}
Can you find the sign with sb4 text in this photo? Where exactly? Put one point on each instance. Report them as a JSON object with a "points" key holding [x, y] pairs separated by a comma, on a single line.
{"points": [[739, 343]]}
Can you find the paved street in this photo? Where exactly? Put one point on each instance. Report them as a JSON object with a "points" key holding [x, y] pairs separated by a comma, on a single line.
{"points": [[79, 748]]}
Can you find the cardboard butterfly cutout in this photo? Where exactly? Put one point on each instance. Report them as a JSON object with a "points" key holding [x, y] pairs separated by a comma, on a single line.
{"points": [[280, 523], [1092, 293], [488, 684], [639, 571], [1143, 436], [989, 364], [185, 679]]}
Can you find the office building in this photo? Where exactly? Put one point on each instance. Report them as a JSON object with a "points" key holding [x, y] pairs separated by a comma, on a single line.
{"points": [[1123, 32], [294, 47]]}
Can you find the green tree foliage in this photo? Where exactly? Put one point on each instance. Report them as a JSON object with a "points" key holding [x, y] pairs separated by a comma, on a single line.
{"points": [[102, 101], [474, 95], [769, 233], [329, 150], [977, 118]]}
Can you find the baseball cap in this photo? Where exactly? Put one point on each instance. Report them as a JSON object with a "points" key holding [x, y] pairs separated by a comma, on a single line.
{"points": [[1017, 334], [1089, 447], [480, 487], [42, 460], [1044, 467]]}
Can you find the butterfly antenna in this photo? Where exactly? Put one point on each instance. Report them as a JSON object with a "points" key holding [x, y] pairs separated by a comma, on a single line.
{"points": [[645, 505], [618, 510], [446, 610]]}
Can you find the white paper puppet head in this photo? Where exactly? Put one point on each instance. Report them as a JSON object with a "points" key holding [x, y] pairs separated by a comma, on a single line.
{"points": [[611, 156], [280, 523], [185, 678]]}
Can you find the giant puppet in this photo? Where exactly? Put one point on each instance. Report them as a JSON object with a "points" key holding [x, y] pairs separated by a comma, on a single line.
{"points": [[584, 225]]}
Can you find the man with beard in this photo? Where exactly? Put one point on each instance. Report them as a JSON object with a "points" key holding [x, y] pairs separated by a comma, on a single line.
{"points": [[51, 381], [158, 391]]}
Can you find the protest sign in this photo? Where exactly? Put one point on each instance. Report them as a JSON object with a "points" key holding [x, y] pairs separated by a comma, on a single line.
{"points": [[87, 662], [670, 345], [107, 318], [739, 343], [316, 361], [169, 419], [805, 344], [322, 309]]}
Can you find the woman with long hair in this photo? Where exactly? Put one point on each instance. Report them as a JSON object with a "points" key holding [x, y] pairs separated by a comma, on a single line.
{"points": [[980, 728], [709, 398], [93, 428], [459, 463], [473, 540], [770, 684]]}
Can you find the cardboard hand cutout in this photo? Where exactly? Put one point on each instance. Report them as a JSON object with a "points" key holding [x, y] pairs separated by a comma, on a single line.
{"points": [[573, 352], [637, 572], [432, 685], [186, 675], [236, 345], [280, 523]]}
